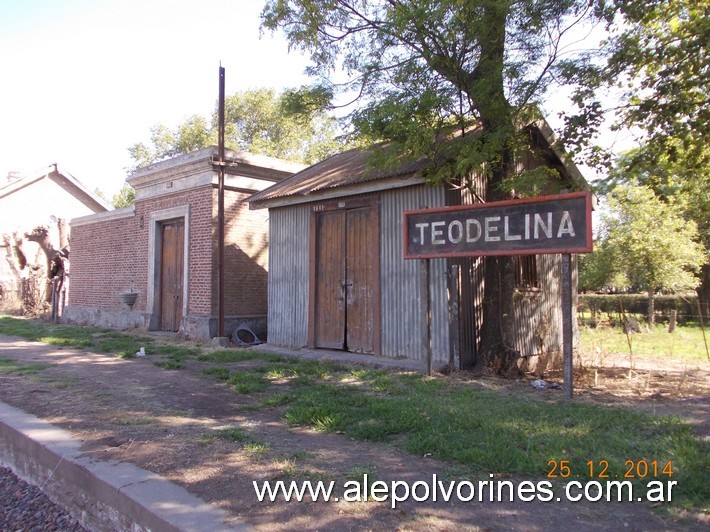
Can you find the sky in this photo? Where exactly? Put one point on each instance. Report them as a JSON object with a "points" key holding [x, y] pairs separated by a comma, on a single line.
{"points": [[82, 80]]}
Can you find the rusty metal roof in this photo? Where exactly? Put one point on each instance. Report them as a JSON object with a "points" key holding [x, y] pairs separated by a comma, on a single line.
{"points": [[347, 168], [351, 167]]}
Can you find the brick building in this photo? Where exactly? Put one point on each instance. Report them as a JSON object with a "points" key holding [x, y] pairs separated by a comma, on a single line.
{"points": [[164, 249]]}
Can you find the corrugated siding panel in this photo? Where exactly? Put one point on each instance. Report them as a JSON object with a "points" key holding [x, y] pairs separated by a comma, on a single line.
{"points": [[400, 281], [288, 275], [551, 274], [471, 274], [470, 307], [538, 316]]}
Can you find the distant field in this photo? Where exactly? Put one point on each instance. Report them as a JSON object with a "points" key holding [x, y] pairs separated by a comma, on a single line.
{"points": [[685, 343]]}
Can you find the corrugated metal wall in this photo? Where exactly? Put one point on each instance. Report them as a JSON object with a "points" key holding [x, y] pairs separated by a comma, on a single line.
{"points": [[470, 307], [471, 274], [400, 281], [538, 316], [550, 268], [288, 275]]}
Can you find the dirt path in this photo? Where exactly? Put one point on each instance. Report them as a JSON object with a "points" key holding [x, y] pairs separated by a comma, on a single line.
{"points": [[166, 421]]}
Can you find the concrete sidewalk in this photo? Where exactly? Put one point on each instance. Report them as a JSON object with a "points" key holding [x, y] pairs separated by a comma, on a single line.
{"points": [[100, 494]]}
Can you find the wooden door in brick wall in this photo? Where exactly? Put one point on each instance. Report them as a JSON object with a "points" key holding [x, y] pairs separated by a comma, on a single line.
{"points": [[171, 273], [346, 277]]}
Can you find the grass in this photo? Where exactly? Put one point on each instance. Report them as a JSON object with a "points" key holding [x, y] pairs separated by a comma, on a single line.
{"points": [[472, 428], [685, 343], [237, 435], [244, 382], [96, 339], [136, 421], [8, 365], [463, 424], [93, 338]]}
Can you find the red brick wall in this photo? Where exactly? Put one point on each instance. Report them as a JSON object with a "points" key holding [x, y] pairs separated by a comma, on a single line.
{"points": [[105, 262], [111, 257], [200, 245], [246, 257]]}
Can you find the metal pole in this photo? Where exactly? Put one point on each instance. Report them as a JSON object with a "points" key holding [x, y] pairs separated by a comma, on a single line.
{"points": [[454, 325], [567, 325], [426, 313], [702, 327], [220, 210]]}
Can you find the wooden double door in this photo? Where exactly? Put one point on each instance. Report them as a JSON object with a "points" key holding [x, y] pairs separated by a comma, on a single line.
{"points": [[345, 279], [172, 264]]}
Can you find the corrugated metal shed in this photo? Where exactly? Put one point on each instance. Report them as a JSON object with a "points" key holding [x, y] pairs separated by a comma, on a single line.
{"points": [[288, 275], [352, 167], [401, 288], [347, 168], [344, 181]]}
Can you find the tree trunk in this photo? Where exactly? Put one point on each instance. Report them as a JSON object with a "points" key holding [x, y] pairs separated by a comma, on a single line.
{"points": [[63, 228], [497, 350], [703, 292], [14, 255], [651, 307]]}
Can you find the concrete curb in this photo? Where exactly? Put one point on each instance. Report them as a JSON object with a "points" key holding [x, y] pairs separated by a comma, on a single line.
{"points": [[101, 494]]}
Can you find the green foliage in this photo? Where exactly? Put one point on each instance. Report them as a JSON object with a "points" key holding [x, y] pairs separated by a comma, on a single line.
{"points": [[657, 58], [100, 193], [597, 270], [673, 178], [650, 242], [425, 72], [646, 242], [292, 126], [124, 197]]}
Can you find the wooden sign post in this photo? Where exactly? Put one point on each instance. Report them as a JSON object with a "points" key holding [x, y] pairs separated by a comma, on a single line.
{"points": [[567, 375], [426, 313], [543, 225]]}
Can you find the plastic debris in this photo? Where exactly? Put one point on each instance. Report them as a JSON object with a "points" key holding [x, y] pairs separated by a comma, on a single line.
{"points": [[540, 384]]}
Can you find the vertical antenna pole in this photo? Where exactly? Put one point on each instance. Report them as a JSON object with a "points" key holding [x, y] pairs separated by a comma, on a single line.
{"points": [[220, 210]]}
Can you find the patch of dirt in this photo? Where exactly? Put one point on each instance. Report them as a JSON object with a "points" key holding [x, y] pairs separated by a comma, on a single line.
{"points": [[166, 421]]}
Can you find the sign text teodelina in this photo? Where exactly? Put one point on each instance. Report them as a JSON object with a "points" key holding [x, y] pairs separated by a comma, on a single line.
{"points": [[547, 224]]}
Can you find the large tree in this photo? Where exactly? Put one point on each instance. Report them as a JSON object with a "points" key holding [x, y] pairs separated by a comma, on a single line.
{"points": [[420, 69], [259, 121], [646, 244], [656, 63], [674, 180], [656, 60]]}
